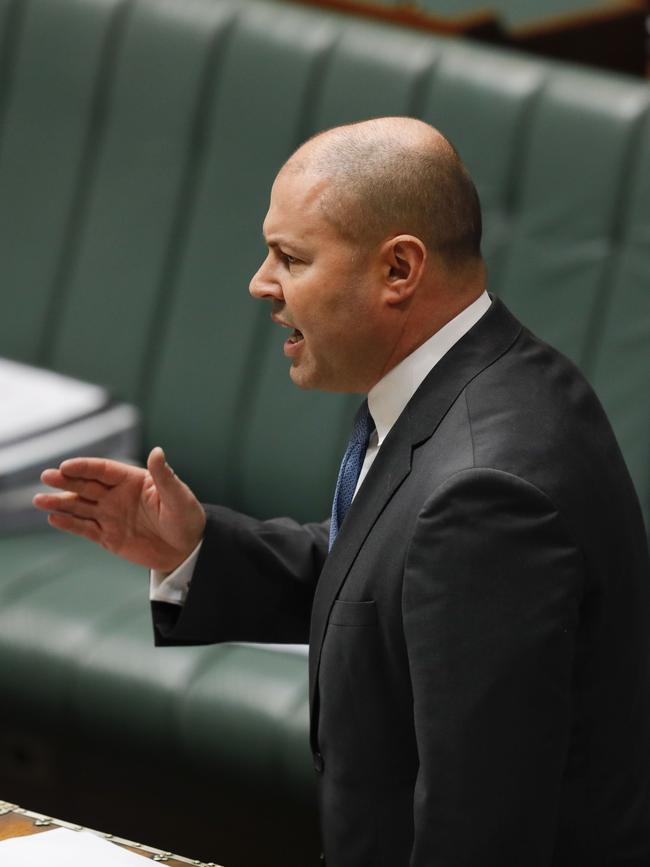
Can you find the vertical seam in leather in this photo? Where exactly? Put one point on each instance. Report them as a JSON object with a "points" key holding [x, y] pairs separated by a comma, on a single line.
{"points": [[420, 87], [195, 160], [603, 297], [9, 50], [511, 201], [312, 95], [261, 334], [98, 114], [521, 148]]}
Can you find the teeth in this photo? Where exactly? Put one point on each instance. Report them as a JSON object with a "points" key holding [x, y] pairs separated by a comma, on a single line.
{"points": [[296, 336]]}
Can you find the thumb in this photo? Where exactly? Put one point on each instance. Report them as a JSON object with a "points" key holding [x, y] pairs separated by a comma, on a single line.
{"points": [[165, 479]]}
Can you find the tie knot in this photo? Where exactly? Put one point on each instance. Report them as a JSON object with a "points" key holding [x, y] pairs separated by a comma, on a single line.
{"points": [[363, 426]]}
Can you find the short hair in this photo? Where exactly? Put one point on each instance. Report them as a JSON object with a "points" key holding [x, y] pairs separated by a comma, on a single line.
{"points": [[383, 182]]}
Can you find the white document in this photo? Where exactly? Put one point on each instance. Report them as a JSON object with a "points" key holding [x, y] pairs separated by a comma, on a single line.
{"points": [[34, 400], [64, 848], [72, 439]]}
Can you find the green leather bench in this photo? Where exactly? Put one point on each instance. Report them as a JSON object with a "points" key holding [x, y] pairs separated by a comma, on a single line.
{"points": [[138, 142]]}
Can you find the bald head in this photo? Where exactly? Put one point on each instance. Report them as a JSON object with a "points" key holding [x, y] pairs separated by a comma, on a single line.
{"points": [[395, 176]]}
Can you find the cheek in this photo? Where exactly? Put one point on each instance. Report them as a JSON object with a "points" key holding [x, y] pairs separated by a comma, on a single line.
{"points": [[328, 303], [310, 307]]}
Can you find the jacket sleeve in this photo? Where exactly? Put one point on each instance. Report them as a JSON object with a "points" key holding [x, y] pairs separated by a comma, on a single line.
{"points": [[254, 581], [493, 584]]}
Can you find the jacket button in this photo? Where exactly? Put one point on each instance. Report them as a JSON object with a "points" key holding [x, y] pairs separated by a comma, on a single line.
{"points": [[322, 858], [319, 764]]}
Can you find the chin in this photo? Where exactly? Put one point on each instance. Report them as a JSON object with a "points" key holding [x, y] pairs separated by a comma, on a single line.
{"points": [[301, 378], [310, 380], [314, 383]]}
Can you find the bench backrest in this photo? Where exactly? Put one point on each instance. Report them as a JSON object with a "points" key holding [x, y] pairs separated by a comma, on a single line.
{"points": [[138, 143]]}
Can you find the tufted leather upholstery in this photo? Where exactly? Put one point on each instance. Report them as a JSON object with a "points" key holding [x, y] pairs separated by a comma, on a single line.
{"points": [[138, 142]]}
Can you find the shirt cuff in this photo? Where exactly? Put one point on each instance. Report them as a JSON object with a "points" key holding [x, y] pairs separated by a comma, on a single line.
{"points": [[173, 586]]}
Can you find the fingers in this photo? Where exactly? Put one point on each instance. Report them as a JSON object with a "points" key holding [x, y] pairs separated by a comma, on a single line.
{"points": [[90, 490], [78, 526], [156, 462], [68, 503], [91, 478], [165, 479], [95, 469], [70, 513]]}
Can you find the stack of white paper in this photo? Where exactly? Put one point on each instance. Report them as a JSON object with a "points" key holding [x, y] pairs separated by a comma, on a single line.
{"points": [[63, 848], [45, 418], [35, 400]]}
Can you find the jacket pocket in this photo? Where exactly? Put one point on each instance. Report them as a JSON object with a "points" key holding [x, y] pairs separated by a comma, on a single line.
{"points": [[353, 613]]}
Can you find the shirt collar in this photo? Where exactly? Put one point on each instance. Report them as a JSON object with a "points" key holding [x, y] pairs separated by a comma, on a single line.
{"points": [[389, 396]]}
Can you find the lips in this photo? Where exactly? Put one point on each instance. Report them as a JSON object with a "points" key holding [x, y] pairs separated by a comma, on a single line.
{"points": [[295, 336], [293, 343]]}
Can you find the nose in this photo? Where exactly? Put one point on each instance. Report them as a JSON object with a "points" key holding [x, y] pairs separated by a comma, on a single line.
{"points": [[264, 283]]}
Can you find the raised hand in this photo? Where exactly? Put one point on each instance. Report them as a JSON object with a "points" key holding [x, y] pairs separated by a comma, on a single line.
{"points": [[147, 516]]}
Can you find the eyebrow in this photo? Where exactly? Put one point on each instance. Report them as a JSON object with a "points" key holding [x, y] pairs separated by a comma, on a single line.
{"points": [[275, 243]]}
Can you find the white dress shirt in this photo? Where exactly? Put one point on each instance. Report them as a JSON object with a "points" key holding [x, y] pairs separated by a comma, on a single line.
{"points": [[386, 401]]}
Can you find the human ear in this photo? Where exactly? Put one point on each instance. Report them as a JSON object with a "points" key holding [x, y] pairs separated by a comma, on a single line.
{"points": [[404, 258]]}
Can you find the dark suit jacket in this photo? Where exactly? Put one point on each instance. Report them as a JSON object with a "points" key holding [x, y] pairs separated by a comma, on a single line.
{"points": [[479, 642]]}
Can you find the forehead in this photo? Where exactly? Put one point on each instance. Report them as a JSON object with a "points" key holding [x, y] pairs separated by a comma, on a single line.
{"points": [[295, 206]]}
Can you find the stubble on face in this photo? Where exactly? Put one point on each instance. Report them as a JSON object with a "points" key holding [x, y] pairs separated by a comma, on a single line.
{"points": [[327, 295]]}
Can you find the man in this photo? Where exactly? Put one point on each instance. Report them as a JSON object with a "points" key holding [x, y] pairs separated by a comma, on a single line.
{"points": [[479, 630]]}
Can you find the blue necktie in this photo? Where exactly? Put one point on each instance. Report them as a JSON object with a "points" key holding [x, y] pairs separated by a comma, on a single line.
{"points": [[351, 468]]}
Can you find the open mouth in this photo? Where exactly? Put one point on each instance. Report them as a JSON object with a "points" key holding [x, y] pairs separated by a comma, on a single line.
{"points": [[295, 336]]}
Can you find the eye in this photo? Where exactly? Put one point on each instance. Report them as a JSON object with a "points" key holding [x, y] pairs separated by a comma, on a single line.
{"points": [[288, 260]]}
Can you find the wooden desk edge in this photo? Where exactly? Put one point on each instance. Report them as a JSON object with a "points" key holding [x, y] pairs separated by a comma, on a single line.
{"points": [[38, 822]]}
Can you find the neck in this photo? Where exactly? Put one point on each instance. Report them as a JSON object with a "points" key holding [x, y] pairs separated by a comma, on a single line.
{"points": [[422, 321]]}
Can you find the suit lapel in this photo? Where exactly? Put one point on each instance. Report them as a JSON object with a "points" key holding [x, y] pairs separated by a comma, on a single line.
{"points": [[483, 344]]}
